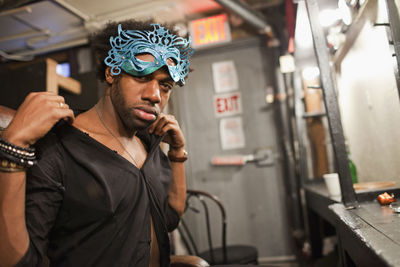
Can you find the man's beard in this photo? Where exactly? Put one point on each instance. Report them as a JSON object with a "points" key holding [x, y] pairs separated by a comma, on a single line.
{"points": [[125, 113]]}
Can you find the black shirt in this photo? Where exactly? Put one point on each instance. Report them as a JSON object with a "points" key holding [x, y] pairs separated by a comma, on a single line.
{"points": [[88, 206]]}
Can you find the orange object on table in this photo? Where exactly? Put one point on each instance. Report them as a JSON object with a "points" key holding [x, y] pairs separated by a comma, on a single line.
{"points": [[385, 199]]}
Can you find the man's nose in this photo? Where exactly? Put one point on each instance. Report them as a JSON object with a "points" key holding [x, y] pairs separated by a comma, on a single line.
{"points": [[152, 92]]}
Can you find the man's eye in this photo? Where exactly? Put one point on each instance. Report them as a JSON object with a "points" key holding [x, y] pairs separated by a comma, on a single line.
{"points": [[166, 86], [142, 78]]}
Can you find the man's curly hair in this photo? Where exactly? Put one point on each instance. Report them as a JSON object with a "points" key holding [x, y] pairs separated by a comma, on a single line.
{"points": [[100, 40]]}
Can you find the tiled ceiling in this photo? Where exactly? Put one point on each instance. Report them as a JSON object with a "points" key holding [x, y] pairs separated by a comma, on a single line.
{"points": [[32, 27], [45, 26]]}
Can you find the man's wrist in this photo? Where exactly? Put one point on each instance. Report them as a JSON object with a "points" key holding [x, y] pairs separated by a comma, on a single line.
{"points": [[13, 139], [177, 154], [15, 158]]}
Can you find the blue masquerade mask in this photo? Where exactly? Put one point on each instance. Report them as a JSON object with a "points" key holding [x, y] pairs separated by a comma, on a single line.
{"points": [[162, 45]]}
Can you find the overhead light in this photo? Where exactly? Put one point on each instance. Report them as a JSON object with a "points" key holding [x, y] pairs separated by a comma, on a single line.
{"points": [[351, 3], [328, 17], [345, 12]]}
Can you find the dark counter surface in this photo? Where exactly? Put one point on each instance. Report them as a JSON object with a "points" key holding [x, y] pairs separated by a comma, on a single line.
{"points": [[318, 199], [318, 192], [370, 234]]}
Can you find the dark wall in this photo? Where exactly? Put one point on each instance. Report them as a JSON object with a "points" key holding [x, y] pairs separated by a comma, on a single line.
{"points": [[17, 83], [89, 94]]}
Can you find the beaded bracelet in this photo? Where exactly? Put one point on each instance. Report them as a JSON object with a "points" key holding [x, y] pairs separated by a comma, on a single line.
{"points": [[19, 148], [18, 160], [20, 155], [8, 166]]}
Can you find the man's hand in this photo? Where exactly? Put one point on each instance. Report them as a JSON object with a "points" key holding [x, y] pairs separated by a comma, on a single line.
{"points": [[35, 117], [168, 124], [175, 139]]}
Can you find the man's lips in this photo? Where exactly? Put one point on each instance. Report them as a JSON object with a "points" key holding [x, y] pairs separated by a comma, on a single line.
{"points": [[146, 113]]}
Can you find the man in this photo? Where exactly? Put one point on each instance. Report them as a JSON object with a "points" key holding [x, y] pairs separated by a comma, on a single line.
{"points": [[102, 193]]}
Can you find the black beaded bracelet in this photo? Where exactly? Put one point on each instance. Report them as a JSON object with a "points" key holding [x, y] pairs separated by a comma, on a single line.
{"points": [[20, 155], [18, 160], [19, 148]]}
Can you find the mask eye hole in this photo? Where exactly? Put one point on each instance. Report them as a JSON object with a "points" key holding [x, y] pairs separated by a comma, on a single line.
{"points": [[171, 62], [146, 57]]}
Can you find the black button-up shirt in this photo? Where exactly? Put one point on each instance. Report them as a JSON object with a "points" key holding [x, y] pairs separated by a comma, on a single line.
{"points": [[88, 206]]}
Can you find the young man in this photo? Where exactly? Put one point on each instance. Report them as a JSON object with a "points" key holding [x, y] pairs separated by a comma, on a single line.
{"points": [[99, 191]]}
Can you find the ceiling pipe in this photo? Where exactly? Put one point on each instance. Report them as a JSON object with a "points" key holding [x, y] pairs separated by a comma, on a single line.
{"points": [[73, 9], [248, 14], [53, 47], [16, 11], [31, 33]]}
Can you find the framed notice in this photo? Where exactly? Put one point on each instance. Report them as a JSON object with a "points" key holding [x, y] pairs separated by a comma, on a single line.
{"points": [[225, 76], [231, 133]]}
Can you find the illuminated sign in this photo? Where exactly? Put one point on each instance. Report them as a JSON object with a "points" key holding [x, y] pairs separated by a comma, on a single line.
{"points": [[208, 31]]}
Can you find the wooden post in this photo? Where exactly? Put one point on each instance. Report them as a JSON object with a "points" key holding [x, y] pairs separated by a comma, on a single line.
{"points": [[315, 127], [54, 80]]}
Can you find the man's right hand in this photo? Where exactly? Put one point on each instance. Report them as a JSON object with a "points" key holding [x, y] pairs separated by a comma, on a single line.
{"points": [[35, 117]]}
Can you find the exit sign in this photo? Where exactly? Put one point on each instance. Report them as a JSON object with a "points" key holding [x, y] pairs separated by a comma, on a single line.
{"points": [[227, 104], [210, 31]]}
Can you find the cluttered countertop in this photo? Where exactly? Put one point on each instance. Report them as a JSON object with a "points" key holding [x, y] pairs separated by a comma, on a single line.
{"points": [[369, 234]]}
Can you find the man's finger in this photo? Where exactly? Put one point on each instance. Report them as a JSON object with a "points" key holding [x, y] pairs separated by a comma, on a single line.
{"points": [[159, 130]]}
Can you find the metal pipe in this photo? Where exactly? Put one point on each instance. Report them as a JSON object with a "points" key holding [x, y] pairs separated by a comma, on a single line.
{"points": [[31, 33], [248, 14], [50, 48], [73, 10], [15, 11]]}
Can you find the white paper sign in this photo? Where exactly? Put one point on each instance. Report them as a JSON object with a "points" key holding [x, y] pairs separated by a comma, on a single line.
{"points": [[225, 76], [227, 104], [231, 133]]}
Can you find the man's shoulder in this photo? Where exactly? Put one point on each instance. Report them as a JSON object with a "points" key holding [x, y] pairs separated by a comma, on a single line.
{"points": [[50, 166], [51, 142]]}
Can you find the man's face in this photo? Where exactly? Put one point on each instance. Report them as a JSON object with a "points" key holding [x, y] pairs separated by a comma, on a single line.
{"points": [[139, 100]]}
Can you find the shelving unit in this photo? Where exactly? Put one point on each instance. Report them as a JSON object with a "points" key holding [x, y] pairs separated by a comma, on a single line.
{"points": [[363, 227], [331, 106]]}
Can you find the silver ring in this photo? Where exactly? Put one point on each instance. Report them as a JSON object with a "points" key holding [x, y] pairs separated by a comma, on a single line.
{"points": [[61, 104]]}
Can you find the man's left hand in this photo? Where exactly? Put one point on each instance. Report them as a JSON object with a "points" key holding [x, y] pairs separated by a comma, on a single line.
{"points": [[168, 124]]}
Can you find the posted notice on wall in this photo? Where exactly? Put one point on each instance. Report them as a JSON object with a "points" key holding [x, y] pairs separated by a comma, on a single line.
{"points": [[225, 76], [231, 133]]}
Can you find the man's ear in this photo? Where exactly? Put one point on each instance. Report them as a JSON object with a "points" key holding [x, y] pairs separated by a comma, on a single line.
{"points": [[109, 76]]}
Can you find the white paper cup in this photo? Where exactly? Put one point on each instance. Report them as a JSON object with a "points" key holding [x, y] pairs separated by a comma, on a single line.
{"points": [[332, 183]]}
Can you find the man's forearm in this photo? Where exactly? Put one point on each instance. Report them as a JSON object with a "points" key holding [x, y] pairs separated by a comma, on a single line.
{"points": [[177, 190], [39, 112], [14, 238]]}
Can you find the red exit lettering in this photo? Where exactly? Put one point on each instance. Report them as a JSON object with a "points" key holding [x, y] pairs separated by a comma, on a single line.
{"points": [[209, 30], [227, 104]]}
